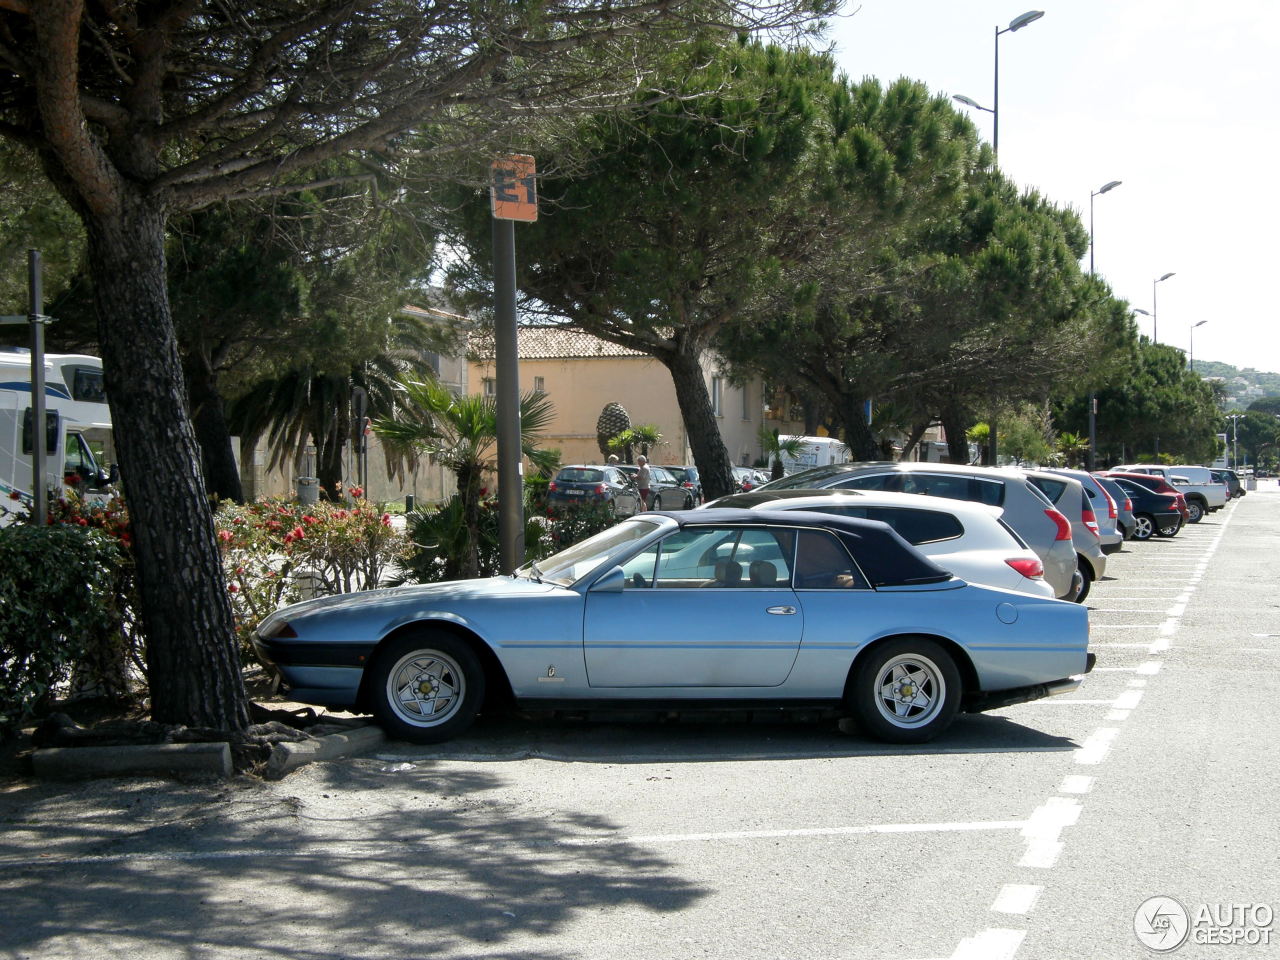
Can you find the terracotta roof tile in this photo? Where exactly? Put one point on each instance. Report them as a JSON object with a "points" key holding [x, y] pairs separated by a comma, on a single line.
{"points": [[551, 343]]}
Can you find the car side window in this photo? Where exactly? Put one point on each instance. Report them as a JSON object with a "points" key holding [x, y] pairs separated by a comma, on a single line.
{"points": [[822, 563], [1053, 489], [876, 481], [712, 557], [918, 526]]}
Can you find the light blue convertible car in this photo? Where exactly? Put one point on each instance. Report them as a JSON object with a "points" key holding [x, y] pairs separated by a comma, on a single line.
{"points": [[685, 610]]}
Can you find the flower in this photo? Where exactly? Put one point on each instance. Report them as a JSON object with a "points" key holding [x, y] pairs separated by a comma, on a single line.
{"points": [[386, 519], [15, 495], [234, 588], [224, 536]]}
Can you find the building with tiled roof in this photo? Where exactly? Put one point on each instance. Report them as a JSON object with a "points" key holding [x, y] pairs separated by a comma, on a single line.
{"points": [[581, 373]]}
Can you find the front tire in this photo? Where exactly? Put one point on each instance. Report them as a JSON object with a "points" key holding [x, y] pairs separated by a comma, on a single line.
{"points": [[427, 687], [905, 691], [657, 502]]}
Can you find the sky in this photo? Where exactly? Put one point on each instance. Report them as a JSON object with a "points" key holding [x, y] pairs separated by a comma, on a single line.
{"points": [[1175, 99]]}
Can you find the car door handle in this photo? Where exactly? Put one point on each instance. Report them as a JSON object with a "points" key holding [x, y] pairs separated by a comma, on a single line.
{"points": [[780, 611]]}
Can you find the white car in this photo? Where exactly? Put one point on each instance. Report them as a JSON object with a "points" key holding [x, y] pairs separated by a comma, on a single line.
{"points": [[970, 540]]}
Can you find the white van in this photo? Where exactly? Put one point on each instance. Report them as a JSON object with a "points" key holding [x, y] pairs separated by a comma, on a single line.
{"points": [[77, 433], [814, 452]]}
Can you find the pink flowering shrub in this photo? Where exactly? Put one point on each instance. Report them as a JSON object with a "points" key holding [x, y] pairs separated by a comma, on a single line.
{"points": [[278, 552]]}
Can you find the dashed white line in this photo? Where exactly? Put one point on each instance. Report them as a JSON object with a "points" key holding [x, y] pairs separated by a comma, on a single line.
{"points": [[992, 944], [1094, 750], [1016, 898], [1076, 783]]}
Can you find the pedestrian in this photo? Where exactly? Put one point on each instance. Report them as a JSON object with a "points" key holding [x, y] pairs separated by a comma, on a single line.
{"points": [[642, 479], [613, 459]]}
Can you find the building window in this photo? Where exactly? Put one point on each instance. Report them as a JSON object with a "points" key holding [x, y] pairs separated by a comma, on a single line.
{"points": [[717, 396], [539, 385], [490, 386]]}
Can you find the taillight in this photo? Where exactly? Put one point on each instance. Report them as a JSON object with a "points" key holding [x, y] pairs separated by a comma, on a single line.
{"points": [[600, 489], [1176, 502], [1031, 568], [551, 487], [1112, 512], [1128, 505], [1064, 525], [688, 485], [1090, 521]]}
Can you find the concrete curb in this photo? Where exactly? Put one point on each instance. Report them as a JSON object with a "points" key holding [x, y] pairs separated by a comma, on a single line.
{"points": [[287, 757], [75, 763]]}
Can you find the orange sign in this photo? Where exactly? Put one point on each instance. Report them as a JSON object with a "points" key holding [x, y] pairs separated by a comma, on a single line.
{"points": [[513, 188]]}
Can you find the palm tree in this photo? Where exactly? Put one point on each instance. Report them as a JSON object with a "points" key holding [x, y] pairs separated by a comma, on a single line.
{"points": [[774, 447], [461, 432], [644, 436]]}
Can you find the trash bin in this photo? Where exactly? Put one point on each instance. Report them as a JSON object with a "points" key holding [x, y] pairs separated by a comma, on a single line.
{"points": [[1251, 483], [308, 490]]}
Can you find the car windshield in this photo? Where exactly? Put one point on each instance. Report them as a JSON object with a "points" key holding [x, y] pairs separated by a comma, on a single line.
{"points": [[571, 565]]}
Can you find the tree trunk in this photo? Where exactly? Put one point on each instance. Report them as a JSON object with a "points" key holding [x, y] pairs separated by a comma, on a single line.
{"points": [[248, 471], [709, 452], [857, 433], [916, 433], [193, 665], [953, 425], [221, 478]]}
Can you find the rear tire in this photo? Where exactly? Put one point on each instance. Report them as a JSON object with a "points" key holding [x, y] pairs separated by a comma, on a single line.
{"points": [[1171, 531], [1144, 526], [1086, 579], [1195, 512], [905, 691]]}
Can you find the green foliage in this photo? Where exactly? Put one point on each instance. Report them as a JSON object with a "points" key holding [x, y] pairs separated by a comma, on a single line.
{"points": [[642, 435], [1156, 406], [277, 552], [58, 610]]}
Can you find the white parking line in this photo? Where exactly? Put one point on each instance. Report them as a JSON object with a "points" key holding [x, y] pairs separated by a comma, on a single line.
{"points": [[992, 944], [1016, 898], [1076, 783], [1094, 750], [1043, 830]]}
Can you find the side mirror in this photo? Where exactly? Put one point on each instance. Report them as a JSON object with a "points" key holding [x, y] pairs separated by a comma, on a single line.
{"points": [[613, 581], [113, 477]]}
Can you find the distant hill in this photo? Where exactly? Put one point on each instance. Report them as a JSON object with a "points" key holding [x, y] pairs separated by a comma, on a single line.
{"points": [[1243, 385]]}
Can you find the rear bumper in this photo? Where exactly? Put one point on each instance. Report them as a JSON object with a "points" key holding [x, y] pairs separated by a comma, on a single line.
{"points": [[995, 699]]}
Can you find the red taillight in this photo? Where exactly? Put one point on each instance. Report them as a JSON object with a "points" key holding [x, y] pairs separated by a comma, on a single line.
{"points": [[1112, 511], [551, 487], [1064, 525], [1030, 568], [688, 485], [600, 489], [1090, 521], [1128, 505]]}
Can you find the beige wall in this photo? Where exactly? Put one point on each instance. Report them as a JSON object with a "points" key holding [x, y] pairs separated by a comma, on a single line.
{"points": [[580, 387]]}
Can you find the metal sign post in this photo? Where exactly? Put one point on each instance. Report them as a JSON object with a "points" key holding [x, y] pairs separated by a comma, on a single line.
{"points": [[513, 196]]}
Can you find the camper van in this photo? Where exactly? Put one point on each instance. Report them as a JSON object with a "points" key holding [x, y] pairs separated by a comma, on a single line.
{"points": [[77, 428], [814, 452]]}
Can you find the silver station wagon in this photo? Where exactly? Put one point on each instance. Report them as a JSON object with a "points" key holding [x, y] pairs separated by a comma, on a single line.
{"points": [[687, 610]]}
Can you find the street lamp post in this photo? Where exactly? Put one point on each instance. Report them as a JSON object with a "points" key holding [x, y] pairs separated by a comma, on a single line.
{"points": [[1093, 399], [1155, 323], [1146, 313], [1016, 24], [1235, 439], [1191, 351]]}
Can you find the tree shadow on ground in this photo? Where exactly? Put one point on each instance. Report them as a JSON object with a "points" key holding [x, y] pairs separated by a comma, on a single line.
{"points": [[141, 868]]}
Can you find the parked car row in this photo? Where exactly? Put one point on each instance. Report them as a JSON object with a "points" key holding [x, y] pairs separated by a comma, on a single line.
{"points": [[898, 594], [614, 485]]}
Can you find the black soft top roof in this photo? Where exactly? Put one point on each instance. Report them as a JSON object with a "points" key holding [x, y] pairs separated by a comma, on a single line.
{"points": [[886, 559]]}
